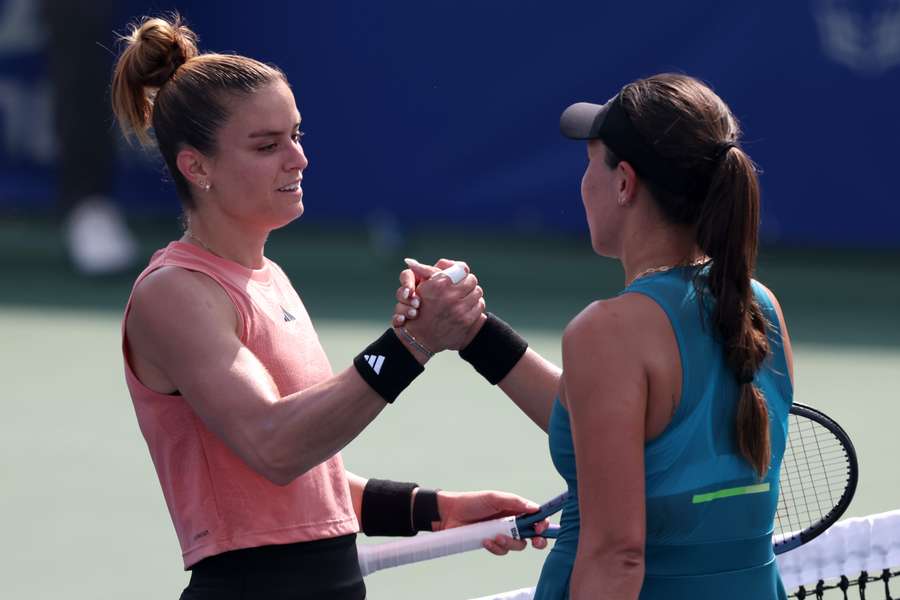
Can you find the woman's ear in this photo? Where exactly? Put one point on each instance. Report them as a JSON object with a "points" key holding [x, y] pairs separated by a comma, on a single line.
{"points": [[194, 167], [626, 183]]}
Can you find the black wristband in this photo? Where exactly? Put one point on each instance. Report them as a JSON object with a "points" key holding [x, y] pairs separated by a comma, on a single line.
{"points": [[387, 508], [387, 366], [495, 350], [425, 509]]}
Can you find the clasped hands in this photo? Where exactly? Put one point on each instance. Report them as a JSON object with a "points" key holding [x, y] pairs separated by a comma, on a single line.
{"points": [[439, 314], [442, 315]]}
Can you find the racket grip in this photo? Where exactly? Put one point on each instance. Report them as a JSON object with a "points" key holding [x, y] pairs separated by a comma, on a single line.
{"points": [[425, 546]]}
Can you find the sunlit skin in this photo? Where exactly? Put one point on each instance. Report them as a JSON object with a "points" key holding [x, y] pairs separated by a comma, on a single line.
{"points": [[258, 153], [621, 376], [600, 187], [253, 179], [625, 221]]}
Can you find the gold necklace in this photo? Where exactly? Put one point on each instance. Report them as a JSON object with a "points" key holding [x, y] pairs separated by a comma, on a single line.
{"points": [[694, 263], [191, 235]]}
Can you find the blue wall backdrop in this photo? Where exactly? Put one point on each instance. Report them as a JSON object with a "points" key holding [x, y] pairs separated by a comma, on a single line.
{"points": [[449, 109]]}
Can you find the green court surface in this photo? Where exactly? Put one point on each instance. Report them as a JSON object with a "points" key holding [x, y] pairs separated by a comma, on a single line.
{"points": [[81, 510]]}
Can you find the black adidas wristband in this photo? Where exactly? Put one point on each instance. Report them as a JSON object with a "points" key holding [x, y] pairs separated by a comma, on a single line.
{"points": [[387, 366], [495, 349]]}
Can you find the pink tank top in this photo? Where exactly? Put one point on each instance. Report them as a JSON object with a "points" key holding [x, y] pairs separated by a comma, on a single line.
{"points": [[216, 501]]}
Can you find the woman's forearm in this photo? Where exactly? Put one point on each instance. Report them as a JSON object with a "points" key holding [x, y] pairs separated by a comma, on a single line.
{"points": [[533, 384]]}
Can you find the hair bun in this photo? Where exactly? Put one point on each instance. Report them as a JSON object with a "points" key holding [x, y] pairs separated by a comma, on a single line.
{"points": [[159, 47]]}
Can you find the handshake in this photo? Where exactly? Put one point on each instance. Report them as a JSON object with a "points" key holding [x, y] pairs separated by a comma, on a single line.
{"points": [[439, 307]]}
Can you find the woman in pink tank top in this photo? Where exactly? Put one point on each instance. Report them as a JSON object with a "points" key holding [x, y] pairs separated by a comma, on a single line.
{"points": [[241, 412]]}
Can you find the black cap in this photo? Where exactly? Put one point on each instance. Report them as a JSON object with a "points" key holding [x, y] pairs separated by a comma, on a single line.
{"points": [[583, 120], [611, 124]]}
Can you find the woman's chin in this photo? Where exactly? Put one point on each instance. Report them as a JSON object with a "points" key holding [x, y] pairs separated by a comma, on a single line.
{"points": [[604, 250], [286, 219]]}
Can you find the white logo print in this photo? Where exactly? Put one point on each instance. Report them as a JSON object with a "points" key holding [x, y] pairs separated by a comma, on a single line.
{"points": [[865, 39], [375, 361]]}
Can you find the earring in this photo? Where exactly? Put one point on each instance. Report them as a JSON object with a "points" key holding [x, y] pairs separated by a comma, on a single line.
{"points": [[205, 185]]}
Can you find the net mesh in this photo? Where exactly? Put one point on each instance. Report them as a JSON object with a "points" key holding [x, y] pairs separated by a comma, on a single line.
{"points": [[855, 558]]}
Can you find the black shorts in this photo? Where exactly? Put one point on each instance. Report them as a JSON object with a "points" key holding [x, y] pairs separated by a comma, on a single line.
{"points": [[302, 571]]}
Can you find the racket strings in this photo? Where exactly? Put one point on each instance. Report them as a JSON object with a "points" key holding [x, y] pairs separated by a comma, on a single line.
{"points": [[795, 458], [814, 474]]}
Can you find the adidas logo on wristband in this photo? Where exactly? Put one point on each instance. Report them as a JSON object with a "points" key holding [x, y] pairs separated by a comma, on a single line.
{"points": [[375, 361], [387, 383]]}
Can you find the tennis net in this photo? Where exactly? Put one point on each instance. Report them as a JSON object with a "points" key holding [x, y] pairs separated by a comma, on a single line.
{"points": [[855, 558]]}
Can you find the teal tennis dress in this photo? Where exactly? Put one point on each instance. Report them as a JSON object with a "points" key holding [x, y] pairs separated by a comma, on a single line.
{"points": [[709, 519]]}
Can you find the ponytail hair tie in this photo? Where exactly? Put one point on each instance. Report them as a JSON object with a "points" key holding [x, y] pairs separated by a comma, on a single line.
{"points": [[722, 150], [746, 377]]}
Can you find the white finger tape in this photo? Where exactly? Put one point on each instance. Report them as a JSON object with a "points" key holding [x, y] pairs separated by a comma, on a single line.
{"points": [[456, 272]]}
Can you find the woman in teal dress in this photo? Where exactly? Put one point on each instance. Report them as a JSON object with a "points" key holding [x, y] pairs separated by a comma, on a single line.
{"points": [[668, 420]]}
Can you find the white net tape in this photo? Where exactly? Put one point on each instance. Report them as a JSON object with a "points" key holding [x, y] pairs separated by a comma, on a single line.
{"points": [[851, 546]]}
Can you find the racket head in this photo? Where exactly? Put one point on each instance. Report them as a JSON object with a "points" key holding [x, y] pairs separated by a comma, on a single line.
{"points": [[819, 474]]}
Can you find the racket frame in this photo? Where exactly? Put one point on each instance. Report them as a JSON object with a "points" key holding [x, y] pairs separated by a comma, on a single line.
{"points": [[830, 518]]}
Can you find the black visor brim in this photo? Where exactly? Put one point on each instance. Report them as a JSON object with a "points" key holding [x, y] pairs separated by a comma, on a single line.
{"points": [[583, 120]]}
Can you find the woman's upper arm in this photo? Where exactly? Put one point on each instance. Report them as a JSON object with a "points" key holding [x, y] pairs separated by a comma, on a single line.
{"points": [[606, 390], [185, 325], [785, 338], [357, 486]]}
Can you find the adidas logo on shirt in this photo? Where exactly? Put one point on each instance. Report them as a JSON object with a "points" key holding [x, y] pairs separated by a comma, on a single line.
{"points": [[375, 361], [288, 317]]}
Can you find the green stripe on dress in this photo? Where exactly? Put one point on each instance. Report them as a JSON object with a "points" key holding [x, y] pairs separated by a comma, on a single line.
{"points": [[729, 492]]}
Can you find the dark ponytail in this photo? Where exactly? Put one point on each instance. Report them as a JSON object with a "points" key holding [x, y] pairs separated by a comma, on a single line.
{"points": [[727, 233], [688, 124]]}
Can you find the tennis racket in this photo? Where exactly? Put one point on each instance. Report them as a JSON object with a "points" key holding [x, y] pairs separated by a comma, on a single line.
{"points": [[819, 473], [425, 546]]}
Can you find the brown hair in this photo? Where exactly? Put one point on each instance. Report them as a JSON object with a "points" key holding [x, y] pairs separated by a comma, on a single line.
{"points": [[162, 81], [687, 123]]}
